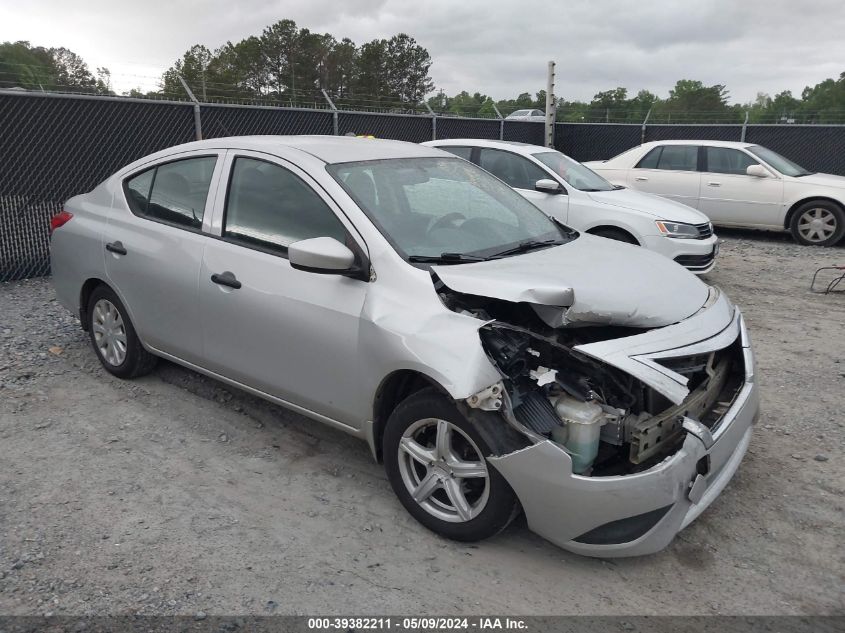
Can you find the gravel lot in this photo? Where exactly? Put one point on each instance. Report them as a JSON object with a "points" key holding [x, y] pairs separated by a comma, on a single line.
{"points": [[173, 494]]}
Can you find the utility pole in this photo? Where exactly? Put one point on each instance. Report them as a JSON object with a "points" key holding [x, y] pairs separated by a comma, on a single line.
{"points": [[550, 106]]}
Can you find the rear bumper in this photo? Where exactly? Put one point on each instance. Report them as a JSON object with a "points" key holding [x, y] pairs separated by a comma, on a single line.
{"points": [[636, 514]]}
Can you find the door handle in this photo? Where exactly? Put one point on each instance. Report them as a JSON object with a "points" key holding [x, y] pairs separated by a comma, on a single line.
{"points": [[116, 247], [640, 178], [226, 278], [714, 184]]}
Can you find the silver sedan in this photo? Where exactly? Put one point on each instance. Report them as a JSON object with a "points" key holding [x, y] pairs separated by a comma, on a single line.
{"points": [[496, 360]]}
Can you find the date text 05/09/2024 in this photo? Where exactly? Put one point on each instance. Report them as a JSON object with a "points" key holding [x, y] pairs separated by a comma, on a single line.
{"points": [[479, 623]]}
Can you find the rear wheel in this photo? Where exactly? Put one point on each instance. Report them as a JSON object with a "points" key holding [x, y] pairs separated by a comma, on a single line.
{"points": [[113, 337], [619, 235], [435, 461], [818, 223]]}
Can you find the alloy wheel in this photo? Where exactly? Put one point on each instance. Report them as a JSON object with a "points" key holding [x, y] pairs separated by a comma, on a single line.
{"points": [[443, 470], [109, 332], [817, 224]]}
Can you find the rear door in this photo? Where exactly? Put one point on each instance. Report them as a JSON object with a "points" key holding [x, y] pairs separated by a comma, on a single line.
{"points": [[290, 333], [670, 171], [154, 241], [730, 197], [521, 174]]}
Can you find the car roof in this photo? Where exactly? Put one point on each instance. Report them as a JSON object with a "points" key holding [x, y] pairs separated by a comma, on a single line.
{"points": [[329, 149], [513, 146], [706, 143]]}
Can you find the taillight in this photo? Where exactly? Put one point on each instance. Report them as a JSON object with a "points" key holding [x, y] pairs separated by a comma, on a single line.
{"points": [[60, 219]]}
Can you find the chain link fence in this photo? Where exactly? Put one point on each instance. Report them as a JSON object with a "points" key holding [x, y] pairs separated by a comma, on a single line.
{"points": [[53, 147]]}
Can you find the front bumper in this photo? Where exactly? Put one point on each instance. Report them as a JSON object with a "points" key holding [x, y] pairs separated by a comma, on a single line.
{"points": [[697, 256], [636, 514]]}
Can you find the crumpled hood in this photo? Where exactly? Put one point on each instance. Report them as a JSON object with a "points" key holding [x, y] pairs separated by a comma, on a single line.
{"points": [[822, 180], [589, 281], [660, 208]]}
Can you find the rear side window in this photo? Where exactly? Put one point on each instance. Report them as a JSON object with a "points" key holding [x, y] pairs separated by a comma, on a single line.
{"points": [[460, 152], [672, 158], [173, 193], [271, 208]]}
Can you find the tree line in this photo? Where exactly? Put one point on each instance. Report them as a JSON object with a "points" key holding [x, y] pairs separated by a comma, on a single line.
{"points": [[689, 101], [290, 65]]}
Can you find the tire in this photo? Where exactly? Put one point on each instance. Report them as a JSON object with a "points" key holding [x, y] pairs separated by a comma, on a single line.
{"points": [[818, 223], [424, 418], [113, 337], [616, 234]]}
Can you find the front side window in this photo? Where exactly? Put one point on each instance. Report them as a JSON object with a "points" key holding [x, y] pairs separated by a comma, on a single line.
{"points": [[517, 171], [671, 158], [270, 207], [723, 160], [173, 193], [573, 172], [426, 207]]}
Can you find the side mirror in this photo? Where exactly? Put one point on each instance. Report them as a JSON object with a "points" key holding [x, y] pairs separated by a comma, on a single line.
{"points": [[758, 171], [547, 185], [323, 255]]}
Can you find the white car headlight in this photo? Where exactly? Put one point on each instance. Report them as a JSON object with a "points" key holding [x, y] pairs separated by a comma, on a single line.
{"points": [[677, 229]]}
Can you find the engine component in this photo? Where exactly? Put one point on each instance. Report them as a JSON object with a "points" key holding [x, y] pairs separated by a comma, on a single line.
{"points": [[489, 399], [508, 349], [583, 421], [537, 413]]}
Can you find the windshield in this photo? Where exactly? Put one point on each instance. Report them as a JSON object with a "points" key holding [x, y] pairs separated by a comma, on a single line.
{"points": [[783, 165], [428, 207], [573, 172]]}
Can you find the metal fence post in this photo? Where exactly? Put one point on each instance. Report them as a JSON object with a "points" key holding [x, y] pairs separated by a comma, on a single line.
{"points": [[744, 127], [645, 121], [197, 117], [433, 121], [334, 111], [549, 125], [501, 123]]}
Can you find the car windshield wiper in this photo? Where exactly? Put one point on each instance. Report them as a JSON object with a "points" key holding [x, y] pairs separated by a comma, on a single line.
{"points": [[528, 245], [805, 173], [445, 258]]}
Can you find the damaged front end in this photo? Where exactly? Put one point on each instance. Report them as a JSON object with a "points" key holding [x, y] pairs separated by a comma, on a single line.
{"points": [[631, 431]]}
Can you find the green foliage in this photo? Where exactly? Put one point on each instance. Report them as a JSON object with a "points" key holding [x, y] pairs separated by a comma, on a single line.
{"points": [[53, 69], [293, 65]]}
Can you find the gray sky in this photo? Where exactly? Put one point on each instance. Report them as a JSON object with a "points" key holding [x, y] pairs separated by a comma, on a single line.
{"points": [[497, 47]]}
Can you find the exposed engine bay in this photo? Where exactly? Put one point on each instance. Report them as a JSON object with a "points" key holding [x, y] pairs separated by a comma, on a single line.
{"points": [[609, 422]]}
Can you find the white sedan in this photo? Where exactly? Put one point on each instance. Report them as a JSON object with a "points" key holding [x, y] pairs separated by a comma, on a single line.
{"points": [[737, 185], [570, 192]]}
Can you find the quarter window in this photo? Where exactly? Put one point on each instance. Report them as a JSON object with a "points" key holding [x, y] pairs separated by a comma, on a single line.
{"points": [[173, 193], [672, 158], [270, 207], [517, 171], [460, 152], [723, 160]]}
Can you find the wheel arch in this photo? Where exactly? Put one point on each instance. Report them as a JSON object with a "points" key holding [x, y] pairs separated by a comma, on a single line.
{"points": [[593, 230], [393, 389], [84, 295], [795, 206]]}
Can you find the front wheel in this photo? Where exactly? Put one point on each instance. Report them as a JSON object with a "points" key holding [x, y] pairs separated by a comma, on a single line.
{"points": [[435, 461], [818, 223]]}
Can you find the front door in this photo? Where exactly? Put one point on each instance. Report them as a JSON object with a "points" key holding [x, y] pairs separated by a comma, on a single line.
{"points": [[730, 197], [521, 174], [289, 333]]}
